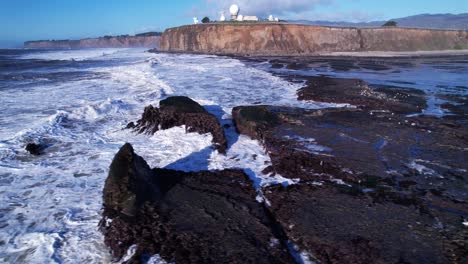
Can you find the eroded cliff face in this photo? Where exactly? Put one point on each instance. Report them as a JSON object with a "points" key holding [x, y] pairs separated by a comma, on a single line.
{"points": [[103, 42], [290, 39]]}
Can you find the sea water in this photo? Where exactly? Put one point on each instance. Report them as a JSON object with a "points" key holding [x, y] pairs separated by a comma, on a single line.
{"points": [[78, 102]]}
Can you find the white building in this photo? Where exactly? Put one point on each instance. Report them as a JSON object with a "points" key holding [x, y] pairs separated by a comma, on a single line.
{"points": [[235, 16], [273, 19], [251, 18]]}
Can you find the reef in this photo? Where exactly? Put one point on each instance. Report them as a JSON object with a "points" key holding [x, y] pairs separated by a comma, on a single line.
{"points": [[358, 93]]}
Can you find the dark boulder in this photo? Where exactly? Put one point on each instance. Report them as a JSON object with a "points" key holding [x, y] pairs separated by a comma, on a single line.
{"points": [[35, 149], [255, 121], [180, 110], [202, 217], [358, 93]]}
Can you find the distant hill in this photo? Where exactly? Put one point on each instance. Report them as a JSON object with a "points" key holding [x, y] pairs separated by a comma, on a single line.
{"points": [[435, 21], [148, 40]]}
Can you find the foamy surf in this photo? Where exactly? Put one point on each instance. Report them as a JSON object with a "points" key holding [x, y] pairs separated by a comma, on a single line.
{"points": [[50, 205], [55, 199], [77, 55]]}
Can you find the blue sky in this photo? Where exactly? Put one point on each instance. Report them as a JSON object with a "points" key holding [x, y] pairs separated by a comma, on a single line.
{"points": [[22, 20]]}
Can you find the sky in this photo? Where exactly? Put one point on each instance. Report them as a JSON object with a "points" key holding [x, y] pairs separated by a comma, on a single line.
{"points": [[22, 20]]}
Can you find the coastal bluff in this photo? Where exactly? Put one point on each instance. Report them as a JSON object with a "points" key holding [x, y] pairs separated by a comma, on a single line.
{"points": [[137, 41], [281, 39]]}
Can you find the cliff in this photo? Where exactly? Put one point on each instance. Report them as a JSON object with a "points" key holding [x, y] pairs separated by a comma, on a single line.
{"points": [[143, 40], [266, 39]]}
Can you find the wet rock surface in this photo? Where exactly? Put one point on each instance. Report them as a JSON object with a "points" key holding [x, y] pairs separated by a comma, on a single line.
{"points": [[336, 227], [375, 187], [177, 111], [358, 93], [357, 146], [203, 217], [396, 92], [350, 63], [455, 104]]}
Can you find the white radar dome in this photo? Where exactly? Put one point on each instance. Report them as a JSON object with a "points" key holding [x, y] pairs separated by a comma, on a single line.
{"points": [[234, 10]]}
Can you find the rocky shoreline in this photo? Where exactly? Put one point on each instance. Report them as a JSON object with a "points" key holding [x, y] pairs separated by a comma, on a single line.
{"points": [[380, 182]]}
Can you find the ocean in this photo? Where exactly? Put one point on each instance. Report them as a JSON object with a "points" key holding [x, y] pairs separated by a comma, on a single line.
{"points": [[78, 103]]}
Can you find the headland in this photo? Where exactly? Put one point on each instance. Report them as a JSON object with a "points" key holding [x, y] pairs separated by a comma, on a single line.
{"points": [[143, 40], [284, 39]]}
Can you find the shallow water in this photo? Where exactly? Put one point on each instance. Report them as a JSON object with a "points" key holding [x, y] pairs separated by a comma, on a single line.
{"points": [[78, 102], [438, 77]]}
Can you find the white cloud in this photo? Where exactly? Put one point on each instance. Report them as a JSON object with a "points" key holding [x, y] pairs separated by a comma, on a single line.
{"points": [[285, 9], [339, 16], [265, 7]]}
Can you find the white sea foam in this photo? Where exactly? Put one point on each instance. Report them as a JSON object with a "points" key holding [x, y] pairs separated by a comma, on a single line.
{"points": [[301, 257], [32, 248], [421, 169], [227, 82], [56, 197], [77, 55], [156, 259], [249, 155], [310, 145]]}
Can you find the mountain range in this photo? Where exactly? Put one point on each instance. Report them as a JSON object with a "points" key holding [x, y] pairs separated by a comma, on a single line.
{"points": [[435, 21]]}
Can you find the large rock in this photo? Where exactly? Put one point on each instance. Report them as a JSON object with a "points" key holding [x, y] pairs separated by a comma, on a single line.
{"points": [[358, 93], [180, 110], [35, 149], [335, 226], [354, 145], [376, 168], [203, 217]]}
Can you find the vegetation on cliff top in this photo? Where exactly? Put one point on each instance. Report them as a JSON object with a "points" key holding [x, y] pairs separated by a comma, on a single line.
{"points": [[146, 34], [390, 24]]}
